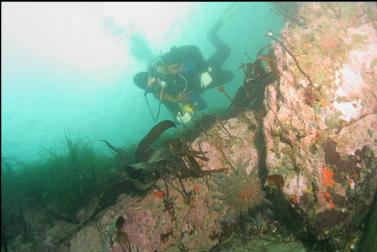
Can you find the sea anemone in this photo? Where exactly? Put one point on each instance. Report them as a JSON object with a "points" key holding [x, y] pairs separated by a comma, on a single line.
{"points": [[238, 192]]}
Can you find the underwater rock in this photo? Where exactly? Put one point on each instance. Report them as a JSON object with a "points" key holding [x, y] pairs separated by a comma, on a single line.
{"points": [[321, 152], [326, 149], [262, 243], [164, 220], [228, 142]]}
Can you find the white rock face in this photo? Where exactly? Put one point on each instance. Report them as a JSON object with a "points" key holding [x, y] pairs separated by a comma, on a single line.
{"points": [[325, 148], [352, 87]]}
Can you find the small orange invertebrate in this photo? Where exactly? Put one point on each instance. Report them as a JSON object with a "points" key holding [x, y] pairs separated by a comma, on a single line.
{"points": [[328, 198], [327, 177], [159, 194], [196, 188]]}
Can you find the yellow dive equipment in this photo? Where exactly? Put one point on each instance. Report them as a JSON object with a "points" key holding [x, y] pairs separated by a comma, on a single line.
{"points": [[186, 113], [186, 107]]}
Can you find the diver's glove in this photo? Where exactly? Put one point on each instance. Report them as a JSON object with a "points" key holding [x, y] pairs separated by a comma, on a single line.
{"points": [[206, 79], [183, 117], [163, 84]]}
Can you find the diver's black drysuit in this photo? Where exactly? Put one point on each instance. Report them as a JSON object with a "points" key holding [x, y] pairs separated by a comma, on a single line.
{"points": [[191, 65]]}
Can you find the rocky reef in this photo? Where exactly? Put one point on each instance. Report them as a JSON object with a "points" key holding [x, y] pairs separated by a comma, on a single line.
{"points": [[320, 133], [164, 220]]}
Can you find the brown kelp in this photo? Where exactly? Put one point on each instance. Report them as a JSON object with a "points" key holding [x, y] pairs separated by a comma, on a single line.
{"points": [[120, 235], [311, 94], [256, 77], [118, 151], [120, 154], [143, 149], [174, 160], [222, 90], [269, 34]]}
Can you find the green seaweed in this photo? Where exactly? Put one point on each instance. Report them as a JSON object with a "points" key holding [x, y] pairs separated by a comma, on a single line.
{"points": [[65, 180]]}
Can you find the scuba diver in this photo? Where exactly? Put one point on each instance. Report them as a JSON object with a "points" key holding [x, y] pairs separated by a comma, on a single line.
{"points": [[178, 77]]}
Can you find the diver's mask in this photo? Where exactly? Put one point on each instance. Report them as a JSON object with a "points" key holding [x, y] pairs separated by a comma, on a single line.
{"points": [[155, 84]]}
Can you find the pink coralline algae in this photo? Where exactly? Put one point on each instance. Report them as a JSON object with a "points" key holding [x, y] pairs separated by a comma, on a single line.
{"points": [[229, 142], [340, 55], [356, 76], [295, 188], [140, 229]]}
